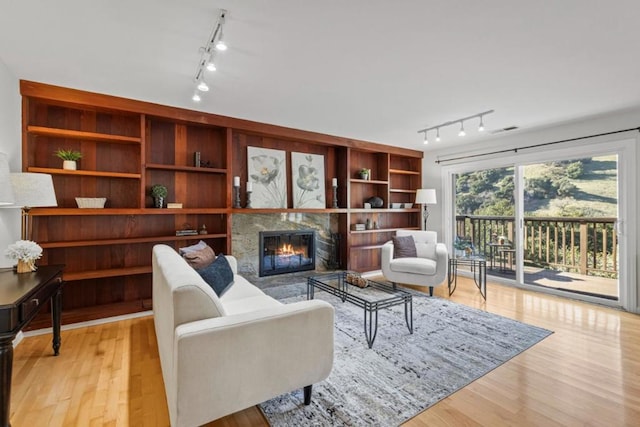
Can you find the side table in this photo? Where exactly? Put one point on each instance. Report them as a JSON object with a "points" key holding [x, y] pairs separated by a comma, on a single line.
{"points": [[478, 267], [21, 297]]}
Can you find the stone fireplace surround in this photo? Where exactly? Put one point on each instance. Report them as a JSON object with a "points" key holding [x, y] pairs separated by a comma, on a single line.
{"points": [[245, 234]]}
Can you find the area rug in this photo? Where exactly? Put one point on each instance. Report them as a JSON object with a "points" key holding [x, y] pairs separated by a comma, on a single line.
{"points": [[451, 346]]}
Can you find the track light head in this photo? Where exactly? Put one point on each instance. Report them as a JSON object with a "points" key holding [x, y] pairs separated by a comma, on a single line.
{"points": [[203, 86], [211, 66], [437, 134], [426, 140], [481, 126], [462, 132], [221, 45], [196, 97]]}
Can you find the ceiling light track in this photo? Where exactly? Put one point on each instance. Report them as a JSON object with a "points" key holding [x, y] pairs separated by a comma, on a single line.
{"points": [[215, 43], [453, 122]]}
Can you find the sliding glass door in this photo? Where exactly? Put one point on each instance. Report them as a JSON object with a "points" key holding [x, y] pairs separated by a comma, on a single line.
{"points": [[570, 213], [553, 221]]}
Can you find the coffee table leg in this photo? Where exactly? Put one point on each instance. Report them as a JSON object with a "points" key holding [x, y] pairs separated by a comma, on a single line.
{"points": [[408, 314], [371, 327]]}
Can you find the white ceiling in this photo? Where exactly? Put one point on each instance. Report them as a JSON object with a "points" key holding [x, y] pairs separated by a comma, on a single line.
{"points": [[366, 69]]}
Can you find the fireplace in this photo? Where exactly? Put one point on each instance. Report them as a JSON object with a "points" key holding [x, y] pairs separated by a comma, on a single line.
{"points": [[286, 251]]}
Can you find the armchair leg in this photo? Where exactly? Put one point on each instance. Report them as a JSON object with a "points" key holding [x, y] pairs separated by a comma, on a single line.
{"points": [[307, 395], [430, 291]]}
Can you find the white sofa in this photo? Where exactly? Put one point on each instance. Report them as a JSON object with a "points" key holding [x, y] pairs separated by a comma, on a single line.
{"points": [[222, 355], [429, 268]]}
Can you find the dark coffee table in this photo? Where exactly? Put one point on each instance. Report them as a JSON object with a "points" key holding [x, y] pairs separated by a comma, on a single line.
{"points": [[371, 299]]}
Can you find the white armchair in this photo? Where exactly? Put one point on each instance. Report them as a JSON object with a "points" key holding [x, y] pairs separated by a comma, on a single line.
{"points": [[429, 268]]}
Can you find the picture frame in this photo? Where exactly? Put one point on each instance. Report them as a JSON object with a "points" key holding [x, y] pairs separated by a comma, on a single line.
{"points": [[308, 181], [266, 169]]}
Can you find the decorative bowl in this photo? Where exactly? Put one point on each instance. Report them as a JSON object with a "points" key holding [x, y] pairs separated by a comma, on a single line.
{"points": [[91, 202], [408, 205], [396, 205]]}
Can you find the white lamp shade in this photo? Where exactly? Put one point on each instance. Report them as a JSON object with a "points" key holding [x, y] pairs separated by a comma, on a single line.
{"points": [[33, 190], [426, 196], [6, 191]]}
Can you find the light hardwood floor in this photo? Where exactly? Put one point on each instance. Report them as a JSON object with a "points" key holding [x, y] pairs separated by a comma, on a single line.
{"points": [[586, 373]]}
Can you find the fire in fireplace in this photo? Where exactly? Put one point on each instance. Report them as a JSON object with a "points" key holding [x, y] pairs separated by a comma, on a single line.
{"points": [[286, 251]]}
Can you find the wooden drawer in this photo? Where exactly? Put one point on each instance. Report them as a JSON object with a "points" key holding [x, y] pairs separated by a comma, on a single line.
{"points": [[30, 306]]}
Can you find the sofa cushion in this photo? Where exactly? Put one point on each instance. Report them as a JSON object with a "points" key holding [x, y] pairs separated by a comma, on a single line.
{"points": [[404, 246], [200, 258], [218, 275], [241, 288], [249, 304], [198, 246], [426, 250], [424, 266]]}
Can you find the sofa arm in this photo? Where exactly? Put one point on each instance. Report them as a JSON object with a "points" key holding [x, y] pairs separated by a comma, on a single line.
{"points": [[386, 256], [226, 364], [442, 254]]}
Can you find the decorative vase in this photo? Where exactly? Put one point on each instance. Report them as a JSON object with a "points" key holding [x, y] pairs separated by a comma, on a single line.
{"points": [[158, 202], [69, 165], [26, 266]]}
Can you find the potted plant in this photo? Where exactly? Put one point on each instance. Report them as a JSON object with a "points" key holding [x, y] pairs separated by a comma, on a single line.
{"points": [[365, 173], [69, 158], [159, 192]]}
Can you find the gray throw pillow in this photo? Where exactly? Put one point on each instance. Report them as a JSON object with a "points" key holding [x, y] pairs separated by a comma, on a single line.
{"points": [[404, 247], [218, 275], [200, 258]]}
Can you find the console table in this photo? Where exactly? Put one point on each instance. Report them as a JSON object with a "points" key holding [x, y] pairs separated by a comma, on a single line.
{"points": [[21, 297]]}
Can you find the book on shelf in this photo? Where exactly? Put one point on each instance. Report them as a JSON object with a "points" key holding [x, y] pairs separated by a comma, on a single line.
{"points": [[186, 232]]}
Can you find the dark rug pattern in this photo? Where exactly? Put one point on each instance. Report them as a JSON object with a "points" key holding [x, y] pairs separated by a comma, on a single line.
{"points": [[403, 374]]}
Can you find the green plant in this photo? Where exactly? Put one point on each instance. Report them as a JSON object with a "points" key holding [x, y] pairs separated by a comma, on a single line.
{"points": [[158, 190], [68, 154]]}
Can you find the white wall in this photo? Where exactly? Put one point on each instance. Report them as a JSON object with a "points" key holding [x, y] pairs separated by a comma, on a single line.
{"points": [[10, 143], [588, 126]]}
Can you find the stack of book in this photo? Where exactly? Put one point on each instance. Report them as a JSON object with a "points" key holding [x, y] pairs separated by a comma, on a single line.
{"points": [[186, 232]]}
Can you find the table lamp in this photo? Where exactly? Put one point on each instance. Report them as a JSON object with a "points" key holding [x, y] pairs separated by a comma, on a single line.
{"points": [[424, 197], [32, 190]]}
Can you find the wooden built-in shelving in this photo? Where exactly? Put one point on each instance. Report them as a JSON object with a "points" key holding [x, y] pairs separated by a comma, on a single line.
{"points": [[129, 145]]}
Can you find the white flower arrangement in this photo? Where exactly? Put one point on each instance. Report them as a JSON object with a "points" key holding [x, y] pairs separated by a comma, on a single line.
{"points": [[24, 250]]}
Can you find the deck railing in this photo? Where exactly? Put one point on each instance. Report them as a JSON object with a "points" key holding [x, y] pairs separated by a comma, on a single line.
{"points": [[587, 246]]}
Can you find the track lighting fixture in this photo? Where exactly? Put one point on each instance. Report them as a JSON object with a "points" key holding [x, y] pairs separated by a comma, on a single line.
{"points": [[453, 122], [203, 86], [207, 54]]}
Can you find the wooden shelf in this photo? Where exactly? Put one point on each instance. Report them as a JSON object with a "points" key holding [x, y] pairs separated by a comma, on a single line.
{"points": [[383, 210], [282, 210], [384, 230], [76, 134], [401, 190], [403, 172], [110, 272], [55, 171], [129, 241], [124, 211], [185, 168], [77, 315], [366, 247], [368, 181]]}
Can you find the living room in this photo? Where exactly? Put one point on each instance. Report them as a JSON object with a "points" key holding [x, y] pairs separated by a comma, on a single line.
{"points": [[555, 93]]}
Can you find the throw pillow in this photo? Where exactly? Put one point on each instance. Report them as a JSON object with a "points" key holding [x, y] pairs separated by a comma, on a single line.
{"points": [[218, 275], [198, 246], [200, 258], [404, 247]]}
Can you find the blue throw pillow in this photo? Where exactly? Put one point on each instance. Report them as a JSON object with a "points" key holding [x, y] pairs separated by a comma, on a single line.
{"points": [[218, 275]]}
